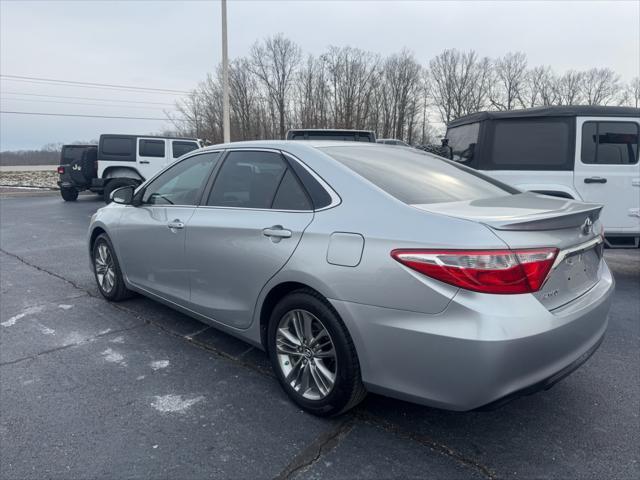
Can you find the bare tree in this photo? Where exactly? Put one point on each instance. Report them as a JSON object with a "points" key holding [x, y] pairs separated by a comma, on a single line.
{"points": [[632, 93], [568, 88], [274, 62], [600, 86], [510, 75]]}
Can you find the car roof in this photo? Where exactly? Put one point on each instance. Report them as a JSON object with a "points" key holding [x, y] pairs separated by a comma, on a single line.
{"points": [[289, 144], [329, 130], [551, 111]]}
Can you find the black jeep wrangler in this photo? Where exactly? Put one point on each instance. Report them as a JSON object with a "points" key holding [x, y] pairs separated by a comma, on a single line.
{"points": [[78, 166]]}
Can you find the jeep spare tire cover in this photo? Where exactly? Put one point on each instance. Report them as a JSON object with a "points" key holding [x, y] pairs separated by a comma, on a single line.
{"points": [[83, 166]]}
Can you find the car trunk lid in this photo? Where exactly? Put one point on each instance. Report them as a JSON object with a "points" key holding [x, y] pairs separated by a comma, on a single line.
{"points": [[529, 220]]}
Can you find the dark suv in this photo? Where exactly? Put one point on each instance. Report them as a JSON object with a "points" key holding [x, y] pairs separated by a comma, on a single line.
{"points": [[78, 167], [331, 134]]}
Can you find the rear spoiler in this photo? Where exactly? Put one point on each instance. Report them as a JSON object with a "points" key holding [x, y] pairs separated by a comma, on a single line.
{"points": [[574, 216]]}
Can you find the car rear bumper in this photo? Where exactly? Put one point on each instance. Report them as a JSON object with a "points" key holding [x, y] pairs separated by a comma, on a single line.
{"points": [[481, 349]]}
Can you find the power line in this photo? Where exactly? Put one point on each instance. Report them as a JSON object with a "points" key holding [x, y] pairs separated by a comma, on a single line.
{"points": [[110, 86], [64, 102], [88, 98], [92, 116]]}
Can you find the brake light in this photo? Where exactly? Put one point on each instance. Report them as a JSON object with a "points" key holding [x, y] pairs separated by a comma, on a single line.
{"points": [[486, 271], [60, 170]]}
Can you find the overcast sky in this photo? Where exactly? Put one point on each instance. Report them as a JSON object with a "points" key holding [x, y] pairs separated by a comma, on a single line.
{"points": [[173, 44]]}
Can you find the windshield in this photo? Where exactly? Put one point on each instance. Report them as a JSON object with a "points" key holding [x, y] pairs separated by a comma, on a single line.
{"points": [[416, 177]]}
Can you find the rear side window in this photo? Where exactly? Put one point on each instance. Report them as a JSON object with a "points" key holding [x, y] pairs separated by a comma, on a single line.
{"points": [[117, 149], [151, 148], [531, 144], [248, 180], [463, 140], [609, 143], [415, 177], [180, 148], [290, 194]]}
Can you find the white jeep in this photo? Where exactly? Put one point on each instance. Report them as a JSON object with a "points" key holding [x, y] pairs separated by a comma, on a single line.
{"points": [[589, 153], [131, 159]]}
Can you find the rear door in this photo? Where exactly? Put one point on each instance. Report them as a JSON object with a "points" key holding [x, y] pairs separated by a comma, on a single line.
{"points": [[250, 224], [153, 156], [607, 170]]}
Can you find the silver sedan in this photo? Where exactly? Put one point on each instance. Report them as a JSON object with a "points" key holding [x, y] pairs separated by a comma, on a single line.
{"points": [[363, 268]]}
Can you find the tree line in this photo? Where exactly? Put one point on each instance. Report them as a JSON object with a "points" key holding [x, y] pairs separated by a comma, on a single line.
{"points": [[276, 87]]}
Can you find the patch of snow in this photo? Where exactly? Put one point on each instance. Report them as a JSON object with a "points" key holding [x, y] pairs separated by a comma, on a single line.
{"points": [[174, 403], [117, 340], [27, 311], [65, 307], [112, 356], [159, 364]]}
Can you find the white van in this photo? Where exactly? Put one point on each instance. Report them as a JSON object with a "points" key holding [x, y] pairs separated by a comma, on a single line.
{"points": [[588, 153], [131, 159]]}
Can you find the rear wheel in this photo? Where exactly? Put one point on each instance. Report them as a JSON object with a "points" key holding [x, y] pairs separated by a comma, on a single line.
{"points": [[114, 185], [313, 355], [107, 270], [69, 194]]}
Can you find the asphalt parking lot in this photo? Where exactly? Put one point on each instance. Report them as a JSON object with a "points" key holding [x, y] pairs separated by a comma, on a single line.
{"points": [[90, 389]]}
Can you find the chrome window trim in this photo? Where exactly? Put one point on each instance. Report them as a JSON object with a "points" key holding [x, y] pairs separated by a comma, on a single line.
{"points": [[335, 198]]}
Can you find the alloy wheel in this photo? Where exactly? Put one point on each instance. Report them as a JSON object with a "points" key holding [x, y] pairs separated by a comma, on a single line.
{"points": [[306, 354], [105, 269]]}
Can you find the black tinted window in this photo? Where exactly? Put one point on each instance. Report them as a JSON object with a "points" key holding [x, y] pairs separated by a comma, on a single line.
{"points": [[610, 143], [180, 148], [182, 183], [151, 148], [290, 194], [531, 144], [69, 154], [248, 180], [415, 177], [463, 140], [118, 146]]}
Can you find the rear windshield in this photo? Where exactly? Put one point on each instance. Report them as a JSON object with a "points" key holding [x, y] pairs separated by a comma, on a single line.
{"points": [[415, 177], [70, 154]]}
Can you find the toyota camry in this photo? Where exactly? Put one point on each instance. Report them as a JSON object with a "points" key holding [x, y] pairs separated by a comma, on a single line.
{"points": [[359, 268]]}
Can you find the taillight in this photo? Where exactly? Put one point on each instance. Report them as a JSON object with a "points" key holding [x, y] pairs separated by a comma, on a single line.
{"points": [[60, 170], [486, 271]]}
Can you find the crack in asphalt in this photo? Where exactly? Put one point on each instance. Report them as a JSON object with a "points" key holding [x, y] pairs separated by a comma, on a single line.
{"points": [[426, 441], [69, 345], [324, 443]]}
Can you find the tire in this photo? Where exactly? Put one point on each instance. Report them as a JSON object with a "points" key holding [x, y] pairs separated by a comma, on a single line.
{"points": [[114, 185], [69, 194], [102, 256], [309, 308]]}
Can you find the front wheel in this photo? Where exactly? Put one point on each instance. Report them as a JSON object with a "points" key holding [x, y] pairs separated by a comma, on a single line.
{"points": [[69, 194], [107, 270], [313, 355]]}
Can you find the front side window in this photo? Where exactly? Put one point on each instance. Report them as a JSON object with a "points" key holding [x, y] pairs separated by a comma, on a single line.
{"points": [[180, 148], [609, 143], [182, 183], [151, 148], [463, 140], [416, 177], [248, 180], [531, 144]]}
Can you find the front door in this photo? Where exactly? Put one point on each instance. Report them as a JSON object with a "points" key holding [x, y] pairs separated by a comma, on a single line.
{"points": [[249, 226], [607, 170], [152, 235]]}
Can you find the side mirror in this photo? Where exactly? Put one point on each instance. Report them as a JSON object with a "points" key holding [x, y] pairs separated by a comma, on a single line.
{"points": [[123, 195]]}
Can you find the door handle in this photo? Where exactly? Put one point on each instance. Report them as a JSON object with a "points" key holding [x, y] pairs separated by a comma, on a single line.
{"points": [[595, 180], [277, 232], [175, 225], [143, 161]]}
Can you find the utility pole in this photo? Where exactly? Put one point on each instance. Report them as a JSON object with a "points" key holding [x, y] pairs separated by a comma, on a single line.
{"points": [[225, 77]]}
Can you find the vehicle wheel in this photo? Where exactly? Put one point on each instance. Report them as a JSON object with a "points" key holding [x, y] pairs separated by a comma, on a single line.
{"points": [[107, 270], [69, 194], [114, 185], [313, 355]]}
